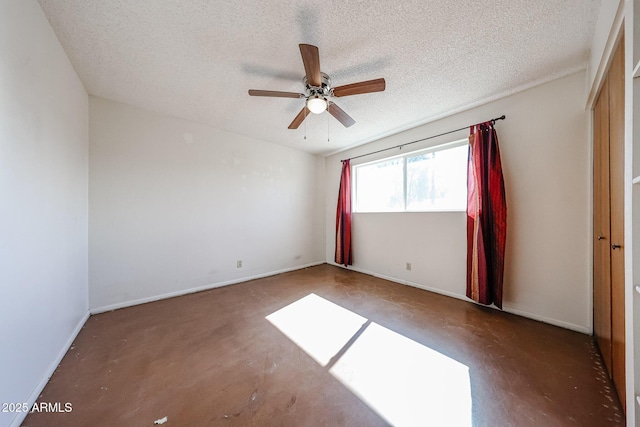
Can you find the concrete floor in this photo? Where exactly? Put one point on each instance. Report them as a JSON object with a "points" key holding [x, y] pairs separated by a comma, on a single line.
{"points": [[326, 347]]}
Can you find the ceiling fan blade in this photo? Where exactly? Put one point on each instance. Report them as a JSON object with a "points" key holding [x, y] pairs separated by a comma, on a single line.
{"points": [[377, 85], [299, 118], [311, 61], [340, 115], [275, 93]]}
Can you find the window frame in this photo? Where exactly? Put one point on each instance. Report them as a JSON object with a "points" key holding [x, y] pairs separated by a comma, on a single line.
{"points": [[404, 156]]}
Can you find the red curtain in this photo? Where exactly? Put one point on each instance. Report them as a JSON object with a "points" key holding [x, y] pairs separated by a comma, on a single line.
{"points": [[343, 217], [486, 217]]}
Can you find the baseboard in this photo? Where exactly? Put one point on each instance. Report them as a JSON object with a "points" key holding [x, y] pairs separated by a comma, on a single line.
{"points": [[20, 416], [566, 325], [506, 309], [139, 301]]}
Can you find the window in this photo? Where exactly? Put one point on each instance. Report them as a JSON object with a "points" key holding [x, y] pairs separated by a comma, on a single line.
{"points": [[427, 180]]}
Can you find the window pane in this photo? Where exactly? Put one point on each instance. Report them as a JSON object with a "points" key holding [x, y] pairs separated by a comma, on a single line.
{"points": [[379, 186], [437, 180]]}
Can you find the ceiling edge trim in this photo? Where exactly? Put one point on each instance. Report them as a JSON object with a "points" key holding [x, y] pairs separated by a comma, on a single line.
{"points": [[465, 107], [615, 33]]}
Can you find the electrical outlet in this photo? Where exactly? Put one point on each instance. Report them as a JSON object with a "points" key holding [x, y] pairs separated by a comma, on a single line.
{"points": [[408, 266], [239, 264]]}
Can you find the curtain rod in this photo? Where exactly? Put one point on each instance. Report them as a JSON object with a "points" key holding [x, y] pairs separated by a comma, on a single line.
{"points": [[493, 122]]}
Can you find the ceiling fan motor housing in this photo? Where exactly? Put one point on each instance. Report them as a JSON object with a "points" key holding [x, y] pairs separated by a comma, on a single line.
{"points": [[322, 91]]}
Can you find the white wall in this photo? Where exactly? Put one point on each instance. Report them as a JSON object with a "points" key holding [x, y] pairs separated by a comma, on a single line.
{"points": [[43, 202], [545, 156], [173, 205]]}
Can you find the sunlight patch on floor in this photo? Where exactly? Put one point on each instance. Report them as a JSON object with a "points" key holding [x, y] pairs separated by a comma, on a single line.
{"points": [[319, 327], [405, 382]]}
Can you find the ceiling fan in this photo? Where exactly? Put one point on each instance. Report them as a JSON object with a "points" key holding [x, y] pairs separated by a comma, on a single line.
{"points": [[317, 88]]}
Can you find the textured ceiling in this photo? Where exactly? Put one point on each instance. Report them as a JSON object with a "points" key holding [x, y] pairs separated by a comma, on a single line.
{"points": [[196, 59]]}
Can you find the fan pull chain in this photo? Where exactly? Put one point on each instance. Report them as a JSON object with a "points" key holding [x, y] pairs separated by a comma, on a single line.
{"points": [[305, 123], [328, 129]]}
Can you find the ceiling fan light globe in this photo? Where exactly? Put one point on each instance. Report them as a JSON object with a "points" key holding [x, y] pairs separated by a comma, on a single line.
{"points": [[316, 104]]}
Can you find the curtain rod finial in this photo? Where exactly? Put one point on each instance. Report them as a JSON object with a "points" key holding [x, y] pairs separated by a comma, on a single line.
{"points": [[493, 121]]}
